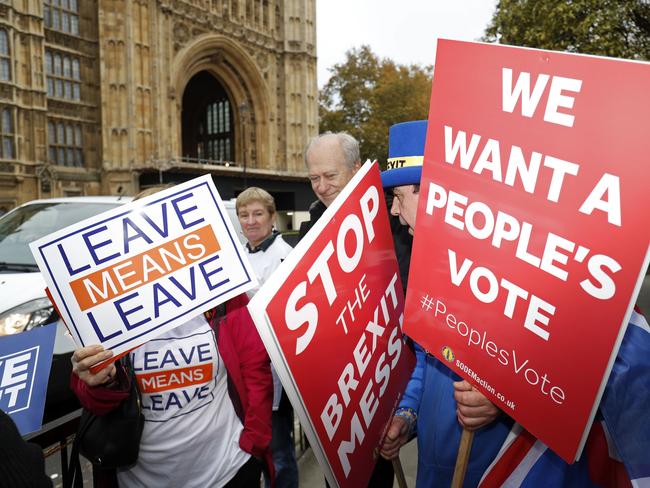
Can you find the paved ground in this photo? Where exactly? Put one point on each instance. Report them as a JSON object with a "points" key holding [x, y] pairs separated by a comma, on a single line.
{"points": [[311, 475]]}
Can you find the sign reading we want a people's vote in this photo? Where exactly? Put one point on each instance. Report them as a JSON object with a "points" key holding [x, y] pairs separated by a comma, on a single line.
{"points": [[136, 271], [532, 227]]}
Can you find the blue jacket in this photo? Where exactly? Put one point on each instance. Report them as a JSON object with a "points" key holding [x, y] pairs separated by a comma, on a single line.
{"points": [[430, 393]]}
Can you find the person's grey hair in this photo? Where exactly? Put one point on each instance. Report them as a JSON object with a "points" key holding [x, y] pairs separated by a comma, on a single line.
{"points": [[349, 145]]}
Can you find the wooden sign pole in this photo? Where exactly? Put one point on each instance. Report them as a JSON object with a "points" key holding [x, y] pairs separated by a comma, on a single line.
{"points": [[462, 459], [399, 473]]}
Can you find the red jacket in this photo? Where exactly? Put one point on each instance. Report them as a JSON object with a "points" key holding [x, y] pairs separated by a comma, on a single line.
{"points": [[249, 372]]}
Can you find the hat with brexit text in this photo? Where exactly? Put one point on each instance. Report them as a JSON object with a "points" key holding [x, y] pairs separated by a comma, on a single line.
{"points": [[405, 154]]}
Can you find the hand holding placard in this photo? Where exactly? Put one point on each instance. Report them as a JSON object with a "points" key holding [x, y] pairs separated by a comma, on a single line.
{"points": [[84, 361]]}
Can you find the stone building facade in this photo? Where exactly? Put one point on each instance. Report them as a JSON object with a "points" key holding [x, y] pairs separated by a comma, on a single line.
{"points": [[109, 96]]}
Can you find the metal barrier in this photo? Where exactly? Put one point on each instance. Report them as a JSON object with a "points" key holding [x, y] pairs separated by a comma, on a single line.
{"points": [[214, 162], [299, 439], [54, 437]]}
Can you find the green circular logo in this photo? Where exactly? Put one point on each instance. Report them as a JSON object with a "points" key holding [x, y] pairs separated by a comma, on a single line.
{"points": [[448, 354]]}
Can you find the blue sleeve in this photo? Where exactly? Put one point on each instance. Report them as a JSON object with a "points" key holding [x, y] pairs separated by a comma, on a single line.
{"points": [[626, 398], [413, 393]]}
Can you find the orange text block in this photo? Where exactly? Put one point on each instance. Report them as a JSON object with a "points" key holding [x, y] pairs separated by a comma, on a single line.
{"points": [[174, 378]]}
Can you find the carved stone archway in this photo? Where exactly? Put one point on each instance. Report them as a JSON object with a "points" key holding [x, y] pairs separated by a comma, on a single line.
{"points": [[234, 68]]}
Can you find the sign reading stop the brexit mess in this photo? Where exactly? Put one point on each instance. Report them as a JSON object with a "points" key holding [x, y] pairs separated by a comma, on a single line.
{"points": [[532, 227], [136, 271], [330, 318]]}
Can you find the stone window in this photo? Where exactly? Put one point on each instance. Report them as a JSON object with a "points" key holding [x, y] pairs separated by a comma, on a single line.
{"points": [[217, 134], [62, 15], [7, 134], [208, 131], [5, 56], [63, 76], [64, 143]]}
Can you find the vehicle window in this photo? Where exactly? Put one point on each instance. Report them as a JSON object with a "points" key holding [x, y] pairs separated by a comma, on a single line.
{"points": [[26, 224]]}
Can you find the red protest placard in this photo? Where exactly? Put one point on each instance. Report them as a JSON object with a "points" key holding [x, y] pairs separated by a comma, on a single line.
{"points": [[532, 235], [330, 318]]}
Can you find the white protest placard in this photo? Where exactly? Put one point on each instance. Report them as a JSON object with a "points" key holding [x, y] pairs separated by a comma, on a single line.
{"points": [[127, 275]]}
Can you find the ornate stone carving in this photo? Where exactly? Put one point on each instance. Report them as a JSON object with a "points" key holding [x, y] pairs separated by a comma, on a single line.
{"points": [[216, 58], [181, 33], [262, 60], [6, 91], [46, 176]]}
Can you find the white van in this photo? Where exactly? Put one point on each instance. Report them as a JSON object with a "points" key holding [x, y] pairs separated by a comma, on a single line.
{"points": [[232, 213], [23, 304]]}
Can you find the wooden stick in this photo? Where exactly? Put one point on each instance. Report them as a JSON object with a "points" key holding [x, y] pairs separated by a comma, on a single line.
{"points": [[399, 473], [462, 459]]}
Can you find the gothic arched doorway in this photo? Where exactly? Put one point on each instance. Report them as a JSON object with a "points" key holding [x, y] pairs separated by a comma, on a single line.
{"points": [[208, 126]]}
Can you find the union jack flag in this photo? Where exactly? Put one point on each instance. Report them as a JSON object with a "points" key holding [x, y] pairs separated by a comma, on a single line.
{"points": [[617, 452]]}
